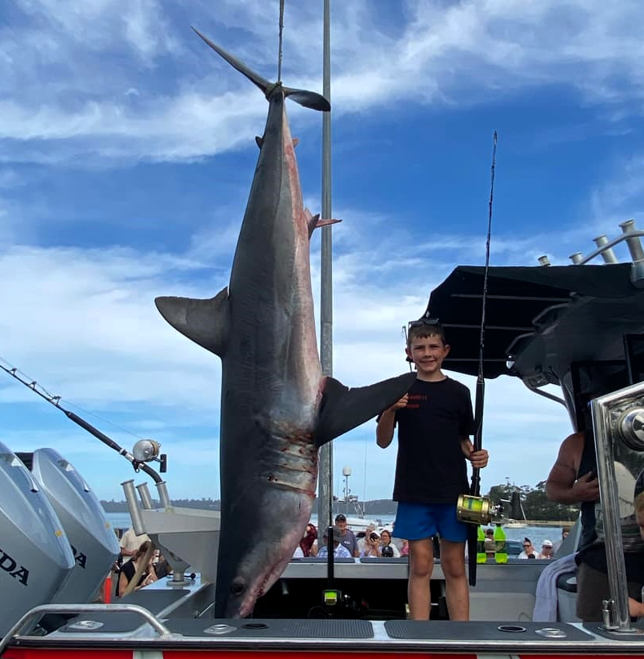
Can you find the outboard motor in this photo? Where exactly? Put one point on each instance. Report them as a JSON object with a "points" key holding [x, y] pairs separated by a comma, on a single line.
{"points": [[90, 535], [35, 556]]}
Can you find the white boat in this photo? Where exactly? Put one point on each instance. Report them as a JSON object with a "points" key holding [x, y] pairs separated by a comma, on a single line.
{"points": [[174, 616], [515, 525]]}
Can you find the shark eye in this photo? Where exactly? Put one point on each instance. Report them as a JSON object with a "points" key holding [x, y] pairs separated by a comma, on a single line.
{"points": [[237, 587]]}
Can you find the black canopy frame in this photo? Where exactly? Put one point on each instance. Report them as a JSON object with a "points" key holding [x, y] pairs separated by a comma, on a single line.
{"points": [[518, 298]]}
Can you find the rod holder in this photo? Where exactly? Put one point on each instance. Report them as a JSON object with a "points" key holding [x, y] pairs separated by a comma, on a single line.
{"points": [[544, 261], [634, 243], [144, 495], [607, 254], [576, 258], [133, 507], [164, 497]]}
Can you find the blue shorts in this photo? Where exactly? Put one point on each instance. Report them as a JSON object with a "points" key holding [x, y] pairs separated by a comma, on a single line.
{"points": [[416, 521]]}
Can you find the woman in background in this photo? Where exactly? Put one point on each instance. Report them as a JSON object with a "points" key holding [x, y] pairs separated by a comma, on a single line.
{"points": [[129, 569]]}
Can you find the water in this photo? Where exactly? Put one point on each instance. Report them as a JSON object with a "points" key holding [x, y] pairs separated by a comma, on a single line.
{"points": [[537, 534], [119, 520]]}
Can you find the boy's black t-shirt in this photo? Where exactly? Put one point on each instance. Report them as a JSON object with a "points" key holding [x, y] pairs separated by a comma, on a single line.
{"points": [[431, 466]]}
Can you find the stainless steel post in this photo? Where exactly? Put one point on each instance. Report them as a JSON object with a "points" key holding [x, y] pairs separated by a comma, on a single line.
{"points": [[144, 495], [325, 479], [609, 498], [133, 507], [164, 497]]}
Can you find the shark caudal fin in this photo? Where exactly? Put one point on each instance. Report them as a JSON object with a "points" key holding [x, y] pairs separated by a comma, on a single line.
{"points": [[307, 99], [203, 321], [343, 409]]}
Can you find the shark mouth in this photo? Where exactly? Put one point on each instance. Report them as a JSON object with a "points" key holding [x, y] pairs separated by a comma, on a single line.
{"points": [[260, 589]]}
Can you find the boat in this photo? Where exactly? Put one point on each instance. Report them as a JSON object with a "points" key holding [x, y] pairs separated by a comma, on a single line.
{"points": [[546, 325], [518, 518], [535, 313]]}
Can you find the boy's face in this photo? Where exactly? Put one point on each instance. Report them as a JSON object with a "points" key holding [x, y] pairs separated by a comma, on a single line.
{"points": [[428, 354]]}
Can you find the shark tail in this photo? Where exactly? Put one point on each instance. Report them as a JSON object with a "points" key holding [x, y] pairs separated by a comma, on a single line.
{"points": [[303, 97], [343, 409]]}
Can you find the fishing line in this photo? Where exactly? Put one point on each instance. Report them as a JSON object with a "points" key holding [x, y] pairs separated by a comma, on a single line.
{"points": [[54, 399]]}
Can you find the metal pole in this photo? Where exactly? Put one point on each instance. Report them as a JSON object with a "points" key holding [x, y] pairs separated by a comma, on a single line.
{"points": [[325, 481], [609, 498]]}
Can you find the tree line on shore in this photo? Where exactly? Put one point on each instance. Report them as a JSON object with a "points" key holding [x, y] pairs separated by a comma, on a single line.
{"points": [[536, 505]]}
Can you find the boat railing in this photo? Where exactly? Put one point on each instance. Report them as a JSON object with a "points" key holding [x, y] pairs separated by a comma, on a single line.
{"points": [[38, 611]]}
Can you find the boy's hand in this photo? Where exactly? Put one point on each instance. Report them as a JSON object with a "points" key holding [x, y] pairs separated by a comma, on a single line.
{"points": [[398, 405], [479, 459]]}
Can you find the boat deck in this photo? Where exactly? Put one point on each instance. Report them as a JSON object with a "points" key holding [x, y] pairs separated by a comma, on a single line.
{"points": [[178, 622]]}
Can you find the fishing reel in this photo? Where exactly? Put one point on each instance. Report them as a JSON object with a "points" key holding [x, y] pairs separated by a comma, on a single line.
{"points": [[148, 450], [479, 510]]}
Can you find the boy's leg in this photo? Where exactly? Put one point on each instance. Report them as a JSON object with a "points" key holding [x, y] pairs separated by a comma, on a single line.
{"points": [[457, 589], [421, 564]]}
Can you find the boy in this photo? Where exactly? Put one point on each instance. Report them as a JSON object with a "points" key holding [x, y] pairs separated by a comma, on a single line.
{"points": [[434, 420]]}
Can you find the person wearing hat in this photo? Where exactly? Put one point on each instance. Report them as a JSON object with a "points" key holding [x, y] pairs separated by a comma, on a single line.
{"points": [[546, 550], [347, 539], [339, 550]]}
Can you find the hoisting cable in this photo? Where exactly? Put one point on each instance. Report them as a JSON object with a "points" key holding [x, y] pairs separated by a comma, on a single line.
{"points": [[281, 40]]}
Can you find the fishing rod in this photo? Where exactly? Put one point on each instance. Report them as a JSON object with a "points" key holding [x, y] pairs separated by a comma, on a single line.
{"points": [[149, 449], [475, 487], [472, 507]]}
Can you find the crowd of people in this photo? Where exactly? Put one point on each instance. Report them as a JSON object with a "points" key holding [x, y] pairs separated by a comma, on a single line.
{"points": [[347, 544], [529, 551]]}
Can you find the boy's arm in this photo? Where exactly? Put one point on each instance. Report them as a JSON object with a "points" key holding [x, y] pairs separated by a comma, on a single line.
{"points": [[385, 428], [387, 422], [478, 458]]}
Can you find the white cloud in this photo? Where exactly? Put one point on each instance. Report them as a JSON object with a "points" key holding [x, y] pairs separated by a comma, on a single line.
{"points": [[185, 108]]}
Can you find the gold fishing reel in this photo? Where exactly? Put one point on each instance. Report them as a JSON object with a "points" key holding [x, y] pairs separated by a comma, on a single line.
{"points": [[474, 510]]}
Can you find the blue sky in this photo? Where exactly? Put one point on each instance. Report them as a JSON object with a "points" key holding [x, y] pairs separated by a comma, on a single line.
{"points": [[126, 155]]}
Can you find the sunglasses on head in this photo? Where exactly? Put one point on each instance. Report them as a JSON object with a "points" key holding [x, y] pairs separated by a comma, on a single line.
{"points": [[425, 320]]}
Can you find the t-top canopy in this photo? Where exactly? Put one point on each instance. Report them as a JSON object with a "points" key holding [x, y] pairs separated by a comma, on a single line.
{"points": [[516, 297]]}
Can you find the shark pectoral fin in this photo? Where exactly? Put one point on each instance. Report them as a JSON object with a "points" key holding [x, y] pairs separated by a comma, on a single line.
{"points": [[296, 141], [259, 141], [343, 409], [203, 321]]}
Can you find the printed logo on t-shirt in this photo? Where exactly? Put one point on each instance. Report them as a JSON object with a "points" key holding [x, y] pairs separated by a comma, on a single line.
{"points": [[413, 401]]}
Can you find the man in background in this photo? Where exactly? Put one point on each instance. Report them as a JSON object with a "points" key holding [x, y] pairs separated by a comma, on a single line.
{"points": [[347, 539]]}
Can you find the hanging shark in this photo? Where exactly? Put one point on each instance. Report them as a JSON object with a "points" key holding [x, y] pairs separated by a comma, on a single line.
{"points": [[277, 408]]}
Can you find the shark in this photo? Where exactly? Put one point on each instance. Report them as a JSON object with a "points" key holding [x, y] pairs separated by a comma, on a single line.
{"points": [[277, 407]]}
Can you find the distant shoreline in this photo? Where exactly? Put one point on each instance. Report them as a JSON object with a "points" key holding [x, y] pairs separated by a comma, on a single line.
{"points": [[370, 508]]}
